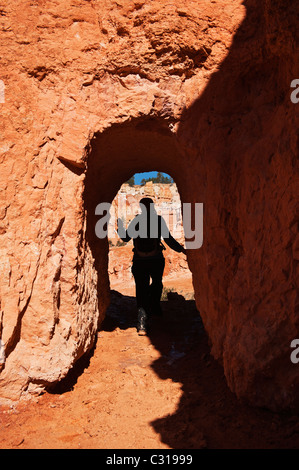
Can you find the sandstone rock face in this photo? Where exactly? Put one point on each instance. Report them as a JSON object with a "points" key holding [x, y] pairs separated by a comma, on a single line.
{"points": [[98, 90]]}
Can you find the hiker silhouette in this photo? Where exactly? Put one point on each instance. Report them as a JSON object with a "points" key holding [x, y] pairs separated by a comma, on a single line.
{"points": [[146, 230]]}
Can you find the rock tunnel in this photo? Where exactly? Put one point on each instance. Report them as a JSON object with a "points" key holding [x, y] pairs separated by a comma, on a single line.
{"points": [[216, 115]]}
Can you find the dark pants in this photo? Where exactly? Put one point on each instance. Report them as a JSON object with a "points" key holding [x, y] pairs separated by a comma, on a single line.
{"points": [[148, 295]]}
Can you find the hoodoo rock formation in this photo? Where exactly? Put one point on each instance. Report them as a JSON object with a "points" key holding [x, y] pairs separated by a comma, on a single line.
{"points": [[98, 90]]}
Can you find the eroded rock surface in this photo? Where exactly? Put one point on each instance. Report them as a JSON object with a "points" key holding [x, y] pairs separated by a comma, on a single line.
{"points": [[98, 90]]}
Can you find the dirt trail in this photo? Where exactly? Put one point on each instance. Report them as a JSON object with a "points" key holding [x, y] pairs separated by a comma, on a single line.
{"points": [[157, 392]]}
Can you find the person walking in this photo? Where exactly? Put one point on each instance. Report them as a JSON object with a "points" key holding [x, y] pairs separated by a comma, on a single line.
{"points": [[146, 230]]}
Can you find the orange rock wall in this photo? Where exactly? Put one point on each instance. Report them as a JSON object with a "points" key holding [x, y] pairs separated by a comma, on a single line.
{"points": [[98, 90]]}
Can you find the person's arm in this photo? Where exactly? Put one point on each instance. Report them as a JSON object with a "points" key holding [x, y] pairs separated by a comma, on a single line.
{"points": [[169, 240]]}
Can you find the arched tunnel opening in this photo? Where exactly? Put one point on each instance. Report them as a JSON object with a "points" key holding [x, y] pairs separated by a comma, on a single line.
{"points": [[115, 155]]}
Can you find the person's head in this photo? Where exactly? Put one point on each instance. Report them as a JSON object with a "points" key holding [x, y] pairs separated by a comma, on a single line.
{"points": [[147, 203]]}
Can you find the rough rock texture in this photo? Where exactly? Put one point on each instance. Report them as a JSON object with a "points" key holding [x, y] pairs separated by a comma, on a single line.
{"points": [[100, 89]]}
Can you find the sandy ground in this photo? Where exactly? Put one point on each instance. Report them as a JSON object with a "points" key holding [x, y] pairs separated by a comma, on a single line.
{"points": [[163, 391]]}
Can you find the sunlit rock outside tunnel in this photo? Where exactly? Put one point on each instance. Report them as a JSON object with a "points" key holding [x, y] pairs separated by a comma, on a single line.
{"points": [[96, 92]]}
